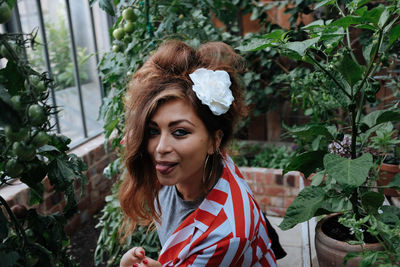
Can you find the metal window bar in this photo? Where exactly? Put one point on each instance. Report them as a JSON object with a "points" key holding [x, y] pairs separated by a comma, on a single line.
{"points": [[15, 25], [76, 68], [19, 27], [47, 59], [96, 51]]}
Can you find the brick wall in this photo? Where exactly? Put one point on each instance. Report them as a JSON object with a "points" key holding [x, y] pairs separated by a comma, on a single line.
{"points": [[272, 191], [92, 200]]}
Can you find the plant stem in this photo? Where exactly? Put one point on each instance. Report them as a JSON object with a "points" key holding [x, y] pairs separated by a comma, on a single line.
{"points": [[18, 227], [330, 75]]}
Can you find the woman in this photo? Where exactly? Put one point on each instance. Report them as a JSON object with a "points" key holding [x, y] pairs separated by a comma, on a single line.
{"points": [[182, 107]]}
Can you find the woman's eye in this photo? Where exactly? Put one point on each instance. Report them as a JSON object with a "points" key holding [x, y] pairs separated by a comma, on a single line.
{"points": [[153, 132], [180, 132]]}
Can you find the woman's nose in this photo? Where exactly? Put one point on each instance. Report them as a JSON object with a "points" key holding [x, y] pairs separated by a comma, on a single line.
{"points": [[163, 145]]}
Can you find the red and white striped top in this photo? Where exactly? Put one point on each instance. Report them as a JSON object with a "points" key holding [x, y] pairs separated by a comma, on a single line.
{"points": [[227, 229]]}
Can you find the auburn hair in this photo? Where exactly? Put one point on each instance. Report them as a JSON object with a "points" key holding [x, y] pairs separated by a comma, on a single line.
{"points": [[165, 76]]}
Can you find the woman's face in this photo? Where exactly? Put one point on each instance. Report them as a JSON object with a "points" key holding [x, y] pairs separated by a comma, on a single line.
{"points": [[178, 144]]}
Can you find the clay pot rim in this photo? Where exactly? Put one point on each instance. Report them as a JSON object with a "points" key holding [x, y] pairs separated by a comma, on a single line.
{"points": [[331, 242], [390, 167]]}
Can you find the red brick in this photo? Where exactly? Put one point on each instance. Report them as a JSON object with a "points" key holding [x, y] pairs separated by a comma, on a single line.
{"points": [[274, 191], [269, 177]]}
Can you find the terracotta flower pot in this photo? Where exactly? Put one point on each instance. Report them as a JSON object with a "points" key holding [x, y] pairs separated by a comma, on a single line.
{"points": [[386, 174], [331, 252]]}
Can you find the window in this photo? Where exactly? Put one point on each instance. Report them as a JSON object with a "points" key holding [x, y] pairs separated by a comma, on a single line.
{"points": [[72, 37]]}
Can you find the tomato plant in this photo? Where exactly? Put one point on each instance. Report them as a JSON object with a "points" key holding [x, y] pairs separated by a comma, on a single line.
{"points": [[26, 237]]}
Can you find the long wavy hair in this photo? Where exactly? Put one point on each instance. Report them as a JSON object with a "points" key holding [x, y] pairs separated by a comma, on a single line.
{"points": [[165, 76]]}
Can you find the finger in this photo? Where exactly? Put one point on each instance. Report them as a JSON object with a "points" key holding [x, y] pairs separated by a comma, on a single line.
{"points": [[139, 252], [148, 262]]}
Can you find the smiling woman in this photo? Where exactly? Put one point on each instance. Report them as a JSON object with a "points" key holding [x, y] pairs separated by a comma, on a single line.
{"points": [[182, 107]]}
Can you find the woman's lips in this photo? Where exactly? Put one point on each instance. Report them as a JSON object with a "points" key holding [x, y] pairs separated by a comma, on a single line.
{"points": [[165, 167]]}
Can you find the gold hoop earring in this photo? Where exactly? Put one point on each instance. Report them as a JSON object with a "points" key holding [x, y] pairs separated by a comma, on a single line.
{"points": [[205, 167]]}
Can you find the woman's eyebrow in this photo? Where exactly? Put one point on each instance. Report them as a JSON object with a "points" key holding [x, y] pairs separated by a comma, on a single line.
{"points": [[173, 123]]}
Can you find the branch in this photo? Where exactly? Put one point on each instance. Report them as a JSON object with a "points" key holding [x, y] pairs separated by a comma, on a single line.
{"points": [[330, 75]]}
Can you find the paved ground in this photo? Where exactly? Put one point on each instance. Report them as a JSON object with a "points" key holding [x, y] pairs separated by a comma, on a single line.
{"points": [[300, 250]]}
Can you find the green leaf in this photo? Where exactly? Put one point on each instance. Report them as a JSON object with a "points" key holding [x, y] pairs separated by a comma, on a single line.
{"points": [[306, 162], [348, 172], [106, 5], [14, 80], [384, 17], [336, 204], [310, 130], [8, 116], [345, 22], [9, 259], [351, 70], [303, 207], [381, 116], [318, 178], [324, 3], [395, 183], [394, 34], [372, 201], [259, 43], [350, 256], [301, 47], [368, 51]]}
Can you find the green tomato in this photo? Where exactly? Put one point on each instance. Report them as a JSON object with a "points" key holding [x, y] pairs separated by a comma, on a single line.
{"points": [[127, 39], [17, 103], [40, 139], [15, 135], [36, 84], [28, 154], [18, 149], [37, 115], [13, 168], [116, 48], [129, 27], [5, 13], [129, 14], [118, 33]]}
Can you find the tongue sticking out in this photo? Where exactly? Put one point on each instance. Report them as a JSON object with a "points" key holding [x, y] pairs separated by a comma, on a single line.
{"points": [[165, 168]]}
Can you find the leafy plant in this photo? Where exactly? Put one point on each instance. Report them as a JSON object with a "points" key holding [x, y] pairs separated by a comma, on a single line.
{"points": [[261, 155], [31, 151], [345, 184]]}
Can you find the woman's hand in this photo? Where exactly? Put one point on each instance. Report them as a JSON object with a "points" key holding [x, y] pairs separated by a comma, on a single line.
{"points": [[136, 257]]}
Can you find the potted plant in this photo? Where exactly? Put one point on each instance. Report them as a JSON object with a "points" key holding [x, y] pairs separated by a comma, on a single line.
{"points": [[345, 53], [387, 146]]}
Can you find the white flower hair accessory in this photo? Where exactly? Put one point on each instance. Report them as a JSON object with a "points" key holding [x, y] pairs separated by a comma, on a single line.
{"points": [[212, 88]]}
